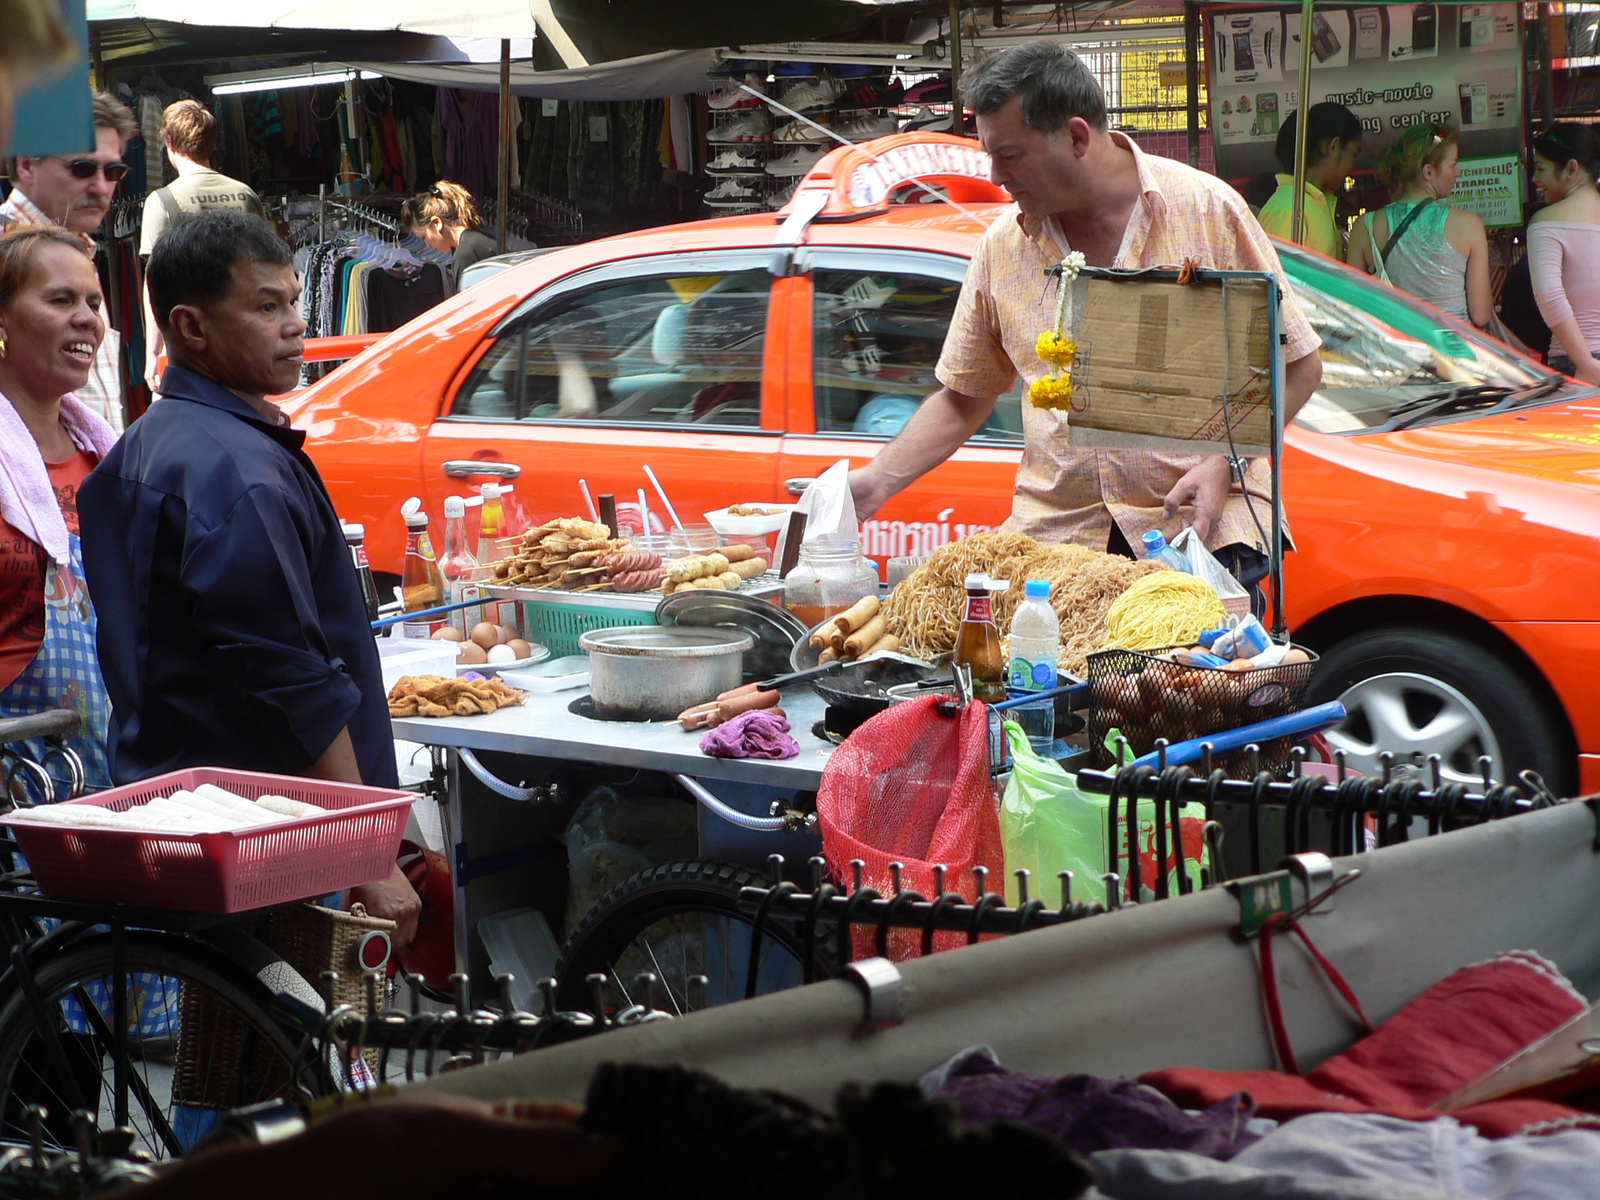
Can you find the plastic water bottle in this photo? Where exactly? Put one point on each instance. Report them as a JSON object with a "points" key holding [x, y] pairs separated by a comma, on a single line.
{"points": [[1155, 546], [1035, 641]]}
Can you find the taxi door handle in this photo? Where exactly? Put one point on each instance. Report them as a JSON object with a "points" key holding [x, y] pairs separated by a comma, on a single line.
{"points": [[798, 485], [460, 468]]}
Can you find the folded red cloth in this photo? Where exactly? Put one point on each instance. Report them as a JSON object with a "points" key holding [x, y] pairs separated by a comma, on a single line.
{"points": [[1460, 1028]]}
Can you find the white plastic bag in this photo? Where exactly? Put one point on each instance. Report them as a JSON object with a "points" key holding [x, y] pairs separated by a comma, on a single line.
{"points": [[829, 507], [1203, 565]]}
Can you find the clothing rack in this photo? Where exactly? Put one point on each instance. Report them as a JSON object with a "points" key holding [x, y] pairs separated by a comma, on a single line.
{"points": [[529, 209]]}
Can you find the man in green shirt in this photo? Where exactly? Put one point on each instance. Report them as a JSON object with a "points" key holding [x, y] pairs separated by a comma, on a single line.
{"points": [[1333, 142]]}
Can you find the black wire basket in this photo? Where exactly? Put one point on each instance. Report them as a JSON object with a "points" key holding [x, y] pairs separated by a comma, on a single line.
{"points": [[1147, 696]]}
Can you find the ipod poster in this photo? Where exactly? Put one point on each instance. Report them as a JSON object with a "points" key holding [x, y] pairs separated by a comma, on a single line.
{"points": [[1247, 47]]}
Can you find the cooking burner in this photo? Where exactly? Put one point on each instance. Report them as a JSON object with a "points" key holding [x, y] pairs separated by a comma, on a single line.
{"points": [[583, 706]]}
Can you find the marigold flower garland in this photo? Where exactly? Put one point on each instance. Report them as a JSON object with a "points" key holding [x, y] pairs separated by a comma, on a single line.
{"points": [[1058, 351]]}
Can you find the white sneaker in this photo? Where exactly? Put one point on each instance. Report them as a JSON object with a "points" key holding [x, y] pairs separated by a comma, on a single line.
{"points": [[737, 161], [730, 192], [734, 96], [782, 196], [797, 161], [808, 95], [751, 126], [800, 131], [865, 128]]}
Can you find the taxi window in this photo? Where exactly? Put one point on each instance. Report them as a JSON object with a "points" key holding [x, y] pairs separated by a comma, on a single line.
{"points": [[876, 338], [670, 349]]}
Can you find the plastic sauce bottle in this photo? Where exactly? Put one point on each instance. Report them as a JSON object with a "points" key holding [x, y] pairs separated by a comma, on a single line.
{"points": [[491, 529], [459, 568], [420, 583], [355, 537], [1155, 546], [978, 643], [1035, 641]]}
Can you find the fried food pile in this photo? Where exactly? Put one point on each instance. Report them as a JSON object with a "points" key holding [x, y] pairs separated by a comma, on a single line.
{"points": [[447, 696], [578, 556]]}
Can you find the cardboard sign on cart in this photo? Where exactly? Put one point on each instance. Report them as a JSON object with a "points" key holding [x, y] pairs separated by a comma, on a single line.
{"points": [[1171, 366]]}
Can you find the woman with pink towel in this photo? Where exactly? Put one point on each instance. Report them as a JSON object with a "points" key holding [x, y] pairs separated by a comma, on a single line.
{"points": [[50, 329]]}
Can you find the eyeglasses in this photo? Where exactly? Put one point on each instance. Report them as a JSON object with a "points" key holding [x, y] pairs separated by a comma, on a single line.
{"points": [[87, 168]]}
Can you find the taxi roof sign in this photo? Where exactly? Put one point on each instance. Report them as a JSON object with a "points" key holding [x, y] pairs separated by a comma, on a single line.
{"points": [[860, 180]]}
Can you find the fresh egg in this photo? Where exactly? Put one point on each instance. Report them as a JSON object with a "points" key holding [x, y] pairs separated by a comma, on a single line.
{"points": [[520, 648], [471, 652], [502, 654], [485, 634], [449, 633], [505, 633]]}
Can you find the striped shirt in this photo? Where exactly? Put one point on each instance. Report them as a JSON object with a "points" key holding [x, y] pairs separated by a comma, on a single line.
{"points": [[1073, 494]]}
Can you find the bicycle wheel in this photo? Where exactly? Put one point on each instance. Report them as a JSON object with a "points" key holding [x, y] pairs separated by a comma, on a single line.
{"points": [[679, 920], [201, 1040]]}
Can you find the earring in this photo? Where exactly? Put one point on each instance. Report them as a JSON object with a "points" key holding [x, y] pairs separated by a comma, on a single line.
{"points": [[2, 344]]}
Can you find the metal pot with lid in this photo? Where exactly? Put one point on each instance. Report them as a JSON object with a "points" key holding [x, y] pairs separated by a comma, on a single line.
{"points": [[654, 672]]}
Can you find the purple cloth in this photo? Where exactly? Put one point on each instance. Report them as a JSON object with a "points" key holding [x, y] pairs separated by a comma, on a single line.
{"points": [[1085, 1113], [759, 734]]}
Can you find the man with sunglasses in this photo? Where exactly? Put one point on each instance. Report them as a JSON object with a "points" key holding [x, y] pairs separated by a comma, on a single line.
{"points": [[75, 191]]}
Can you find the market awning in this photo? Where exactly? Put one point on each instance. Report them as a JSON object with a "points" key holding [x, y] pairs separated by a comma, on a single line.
{"points": [[648, 77], [579, 31]]}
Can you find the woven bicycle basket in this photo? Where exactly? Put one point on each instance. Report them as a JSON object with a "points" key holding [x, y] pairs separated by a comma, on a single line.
{"points": [[220, 1060], [1146, 697]]}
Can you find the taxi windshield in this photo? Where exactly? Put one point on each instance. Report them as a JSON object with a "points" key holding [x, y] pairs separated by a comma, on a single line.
{"points": [[1374, 371]]}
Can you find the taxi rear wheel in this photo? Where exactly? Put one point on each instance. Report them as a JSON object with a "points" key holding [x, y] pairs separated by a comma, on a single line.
{"points": [[1416, 692]]}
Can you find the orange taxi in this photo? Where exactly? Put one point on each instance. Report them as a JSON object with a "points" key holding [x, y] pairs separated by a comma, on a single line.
{"points": [[1441, 488]]}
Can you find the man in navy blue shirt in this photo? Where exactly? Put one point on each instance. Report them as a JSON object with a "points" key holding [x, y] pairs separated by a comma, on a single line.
{"points": [[232, 629]]}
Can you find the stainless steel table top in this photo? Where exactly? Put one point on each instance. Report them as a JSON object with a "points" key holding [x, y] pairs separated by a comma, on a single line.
{"points": [[543, 728]]}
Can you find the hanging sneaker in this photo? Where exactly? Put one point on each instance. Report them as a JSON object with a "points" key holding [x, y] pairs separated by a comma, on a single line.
{"points": [[782, 196], [796, 161], [733, 96], [801, 131], [752, 125], [744, 162], [871, 95], [731, 192], [809, 95], [865, 128]]}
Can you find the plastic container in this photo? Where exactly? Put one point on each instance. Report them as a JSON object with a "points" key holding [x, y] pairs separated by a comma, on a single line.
{"points": [[559, 624], [220, 872], [1155, 546], [520, 941], [414, 656], [829, 578], [694, 538], [1035, 642]]}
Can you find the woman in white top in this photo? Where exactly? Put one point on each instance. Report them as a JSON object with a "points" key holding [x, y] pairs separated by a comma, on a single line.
{"points": [[1564, 246], [1437, 253]]}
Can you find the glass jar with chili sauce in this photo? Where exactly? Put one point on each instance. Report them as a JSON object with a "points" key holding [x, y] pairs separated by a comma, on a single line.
{"points": [[978, 642]]}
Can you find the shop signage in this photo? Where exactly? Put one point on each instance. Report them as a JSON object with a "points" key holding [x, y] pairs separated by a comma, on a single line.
{"points": [[1492, 188], [871, 182], [1393, 66]]}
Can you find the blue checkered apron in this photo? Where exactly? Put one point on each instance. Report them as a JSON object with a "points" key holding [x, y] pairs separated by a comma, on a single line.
{"points": [[66, 674]]}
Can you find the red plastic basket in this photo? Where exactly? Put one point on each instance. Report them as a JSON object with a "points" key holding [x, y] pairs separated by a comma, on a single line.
{"points": [[220, 872]]}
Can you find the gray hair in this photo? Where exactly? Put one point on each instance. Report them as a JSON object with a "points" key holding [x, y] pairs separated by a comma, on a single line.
{"points": [[1050, 80]]}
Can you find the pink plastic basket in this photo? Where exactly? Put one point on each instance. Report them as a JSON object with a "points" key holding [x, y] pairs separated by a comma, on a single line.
{"points": [[220, 872]]}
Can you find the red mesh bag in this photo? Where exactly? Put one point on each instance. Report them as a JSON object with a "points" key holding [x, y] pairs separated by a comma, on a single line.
{"points": [[913, 786]]}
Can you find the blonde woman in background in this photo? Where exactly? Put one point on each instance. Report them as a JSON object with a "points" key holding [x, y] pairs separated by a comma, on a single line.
{"points": [[1420, 244], [446, 217]]}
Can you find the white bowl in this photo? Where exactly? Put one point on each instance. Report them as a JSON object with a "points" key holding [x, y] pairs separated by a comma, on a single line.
{"points": [[730, 526]]}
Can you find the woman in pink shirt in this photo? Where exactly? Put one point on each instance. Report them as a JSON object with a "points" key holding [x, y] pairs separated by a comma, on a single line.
{"points": [[1564, 246]]}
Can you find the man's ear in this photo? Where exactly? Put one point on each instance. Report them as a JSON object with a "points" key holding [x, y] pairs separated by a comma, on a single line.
{"points": [[187, 327], [1081, 133], [25, 164]]}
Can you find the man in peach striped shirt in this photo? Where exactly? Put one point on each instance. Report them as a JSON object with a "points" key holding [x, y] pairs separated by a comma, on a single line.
{"points": [[1079, 186]]}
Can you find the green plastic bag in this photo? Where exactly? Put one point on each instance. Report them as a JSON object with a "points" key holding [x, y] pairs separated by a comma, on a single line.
{"points": [[1048, 825]]}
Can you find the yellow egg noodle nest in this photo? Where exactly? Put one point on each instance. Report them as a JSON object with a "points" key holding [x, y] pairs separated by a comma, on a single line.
{"points": [[925, 610], [1163, 610]]}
